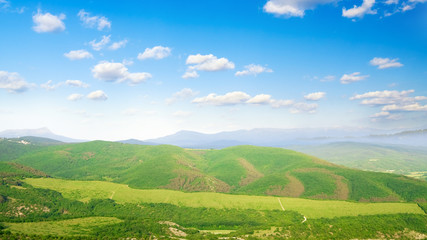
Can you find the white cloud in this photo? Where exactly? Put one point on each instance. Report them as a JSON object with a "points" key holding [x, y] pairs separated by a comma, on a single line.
{"points": [[237, 97], [100, 22], [136, 78], [76, 83], [253, 69], [75, 97], [365, 8], [157, 52], [190, 74], [99, 45], [383, 63], [407, 7], [315, 96], [48, 22], [281, 103], [97, 95], [4, 4], [389, 2], [414, 107], [49, 86], [385, 95], [183, 94], [260, 99], [13, 82], [292, 8], [392, 101], [231, 98], [354, 77], [117, 45], [328, 78], [181, 114], [78, 54], [208, 63], [304, 107], [117, 72]]}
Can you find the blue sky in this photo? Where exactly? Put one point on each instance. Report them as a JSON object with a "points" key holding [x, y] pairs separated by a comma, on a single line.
{"points": [[144, 69]]}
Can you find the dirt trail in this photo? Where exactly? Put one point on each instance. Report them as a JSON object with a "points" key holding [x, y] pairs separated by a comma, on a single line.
{"points": [[112, 195], [281, 204]]}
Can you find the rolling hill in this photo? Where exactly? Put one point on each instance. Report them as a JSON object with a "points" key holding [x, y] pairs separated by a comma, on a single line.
{"points": [[239, 170]]}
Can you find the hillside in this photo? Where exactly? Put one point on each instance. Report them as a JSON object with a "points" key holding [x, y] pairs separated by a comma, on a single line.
{"points": [[241, 169], [12, 148], [400, 159]]}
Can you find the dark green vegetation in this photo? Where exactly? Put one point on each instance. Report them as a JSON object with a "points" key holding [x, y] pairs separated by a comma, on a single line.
{"points": [[241, 169], [237, 170], [400, 159], [22, 203]]}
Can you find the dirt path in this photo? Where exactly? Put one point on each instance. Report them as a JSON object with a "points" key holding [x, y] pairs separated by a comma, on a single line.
{"points": [[281, 204], [112, 195]]}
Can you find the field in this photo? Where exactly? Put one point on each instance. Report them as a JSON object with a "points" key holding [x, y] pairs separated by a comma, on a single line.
{"points": [[72, 227], [86, 190]]}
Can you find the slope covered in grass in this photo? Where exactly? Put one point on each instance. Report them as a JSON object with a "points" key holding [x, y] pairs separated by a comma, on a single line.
{"points": [[241, 169]]}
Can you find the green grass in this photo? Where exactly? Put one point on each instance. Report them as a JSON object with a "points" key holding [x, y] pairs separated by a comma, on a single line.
{"points": [[86, 190], [171, 167], [78, 226]]}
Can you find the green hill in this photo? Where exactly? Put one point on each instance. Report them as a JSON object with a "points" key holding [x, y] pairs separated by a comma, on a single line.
{"points": [[400, 159], [242, 170], [12, 148]]}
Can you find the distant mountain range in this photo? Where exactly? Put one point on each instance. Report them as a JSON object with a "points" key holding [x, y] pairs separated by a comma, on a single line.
{"points": [[286, 137], [270, 137], [40, 132]]}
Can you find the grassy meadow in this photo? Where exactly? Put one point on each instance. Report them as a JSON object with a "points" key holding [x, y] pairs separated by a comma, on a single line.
{"points": [[71, 227], [87, 190]]}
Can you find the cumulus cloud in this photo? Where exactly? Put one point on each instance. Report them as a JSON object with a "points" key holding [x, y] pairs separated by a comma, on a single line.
{"points": [[315, 96], [48, 22], [157, 52], [181, 114], [353, 77], [209, 63], [190, 74], [75, 97], [118, 72], [292, 8], [383, 63], [392, 101], [282, 103], [365, 8], [253, 69], [304, 107], [183, 94], [260, 99], [78, 54], [117, 45], [76, 83], [13, 82], [99, 22], [231, 98], [242, 98], [101, 44], [49, 86], [98, 95]]}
